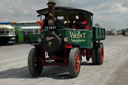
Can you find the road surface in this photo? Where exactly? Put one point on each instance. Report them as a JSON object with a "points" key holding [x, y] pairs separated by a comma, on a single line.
{"points": [[114, 71]]}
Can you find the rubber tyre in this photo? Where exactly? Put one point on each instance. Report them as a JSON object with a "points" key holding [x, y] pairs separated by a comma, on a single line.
{"points": [[98, 54], [34, 66], [94, 60], [74, 62]]}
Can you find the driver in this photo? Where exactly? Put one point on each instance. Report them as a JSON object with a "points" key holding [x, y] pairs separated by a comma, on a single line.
{"points": [[81, 22]]}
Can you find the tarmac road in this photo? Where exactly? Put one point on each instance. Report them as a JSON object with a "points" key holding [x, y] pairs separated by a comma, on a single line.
{"points": [[114, 71]]}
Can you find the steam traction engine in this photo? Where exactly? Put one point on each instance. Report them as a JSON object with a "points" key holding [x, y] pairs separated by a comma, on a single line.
{"points": [[62, 45]]}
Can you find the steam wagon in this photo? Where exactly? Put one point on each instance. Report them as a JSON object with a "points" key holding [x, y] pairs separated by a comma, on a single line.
{"points": [[65, 40]]}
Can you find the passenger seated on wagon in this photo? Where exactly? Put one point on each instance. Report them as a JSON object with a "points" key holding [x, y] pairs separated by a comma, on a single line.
{"points": [[71, 21], [81, 22]]}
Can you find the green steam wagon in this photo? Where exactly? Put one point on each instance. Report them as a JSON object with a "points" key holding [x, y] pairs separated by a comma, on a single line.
{"points": [[65, 39]]}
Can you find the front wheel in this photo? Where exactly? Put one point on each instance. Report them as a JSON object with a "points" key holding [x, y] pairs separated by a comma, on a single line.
{"points": [[74, 62], [34, 65]]}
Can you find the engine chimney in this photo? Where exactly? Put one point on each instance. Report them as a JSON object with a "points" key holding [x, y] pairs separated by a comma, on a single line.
{"points": [[51, 11]]}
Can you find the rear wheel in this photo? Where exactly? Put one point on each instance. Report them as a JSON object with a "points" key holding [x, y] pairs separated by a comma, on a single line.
{"points": [[88, 54], [94, 60], [74, 62], [98, 54], [34, 65]]}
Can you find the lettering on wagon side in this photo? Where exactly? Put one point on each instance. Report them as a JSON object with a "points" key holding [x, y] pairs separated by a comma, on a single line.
{"points": [[77, 36]]}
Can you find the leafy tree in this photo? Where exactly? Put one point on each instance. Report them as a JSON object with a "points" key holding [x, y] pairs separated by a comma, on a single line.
{"points": [[97, 25]]}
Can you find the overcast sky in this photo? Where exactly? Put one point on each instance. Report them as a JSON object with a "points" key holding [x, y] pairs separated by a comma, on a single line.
{"points": [[110, 14]]}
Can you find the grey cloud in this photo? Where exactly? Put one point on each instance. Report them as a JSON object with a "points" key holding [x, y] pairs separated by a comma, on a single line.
{"points": [[125, 3], [20, 9], [63, 2], [108, 13]]}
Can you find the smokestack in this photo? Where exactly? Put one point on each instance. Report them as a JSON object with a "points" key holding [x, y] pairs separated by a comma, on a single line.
{"points": [[51, 10]]}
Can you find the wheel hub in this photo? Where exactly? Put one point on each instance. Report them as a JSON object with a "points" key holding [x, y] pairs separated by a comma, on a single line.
{"points": [[102, 54]]}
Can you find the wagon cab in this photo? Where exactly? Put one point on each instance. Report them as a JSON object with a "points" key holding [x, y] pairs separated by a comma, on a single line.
{"points": [[7, 34]]}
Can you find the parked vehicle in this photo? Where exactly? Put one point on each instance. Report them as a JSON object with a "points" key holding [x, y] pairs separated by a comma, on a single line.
{"points": [[26, 31], [19, 35], [64, 45], [125, 32], [7, 34], [31, 34]]}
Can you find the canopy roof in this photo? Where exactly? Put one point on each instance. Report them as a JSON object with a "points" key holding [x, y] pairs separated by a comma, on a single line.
{"points": [[64, 10]]}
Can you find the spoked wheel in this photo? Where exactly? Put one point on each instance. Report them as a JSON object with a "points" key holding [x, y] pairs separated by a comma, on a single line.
{"points": [[74, 62], [34, 65], [77, 62], [98, 55]]}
